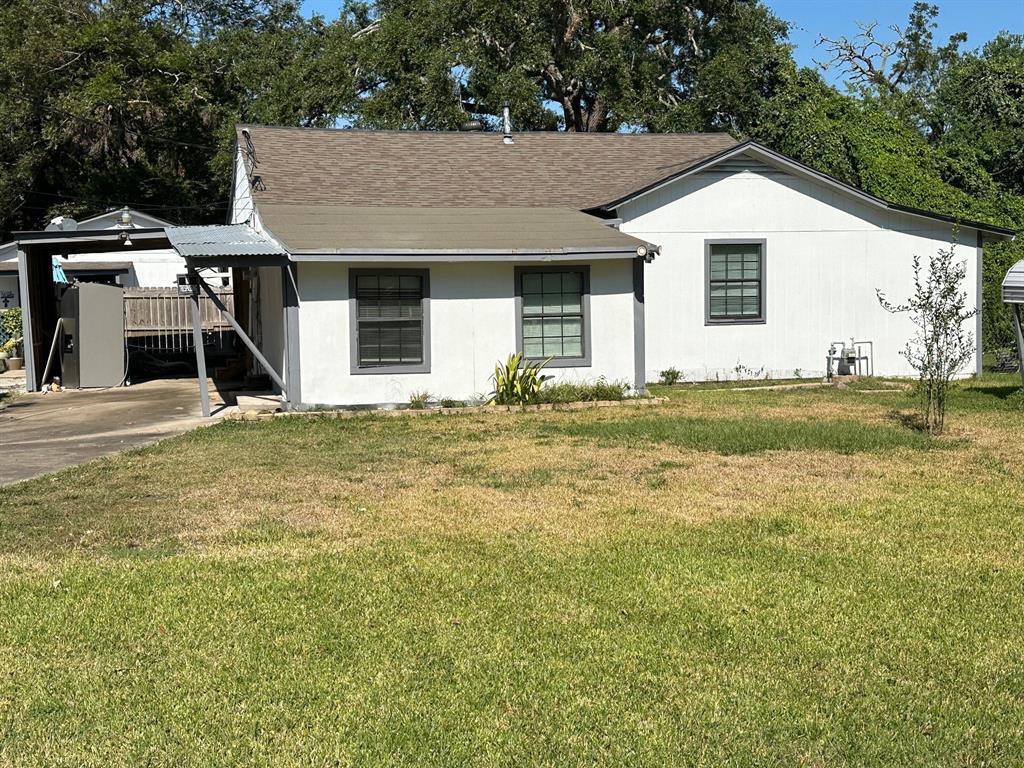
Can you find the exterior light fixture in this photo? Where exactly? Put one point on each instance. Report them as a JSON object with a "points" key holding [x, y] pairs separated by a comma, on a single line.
{"points": [[641, 251]]}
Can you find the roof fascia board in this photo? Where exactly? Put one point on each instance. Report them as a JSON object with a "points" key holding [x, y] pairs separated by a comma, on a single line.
{"points": [[234, 260], [98, 235], [463, 255], [799, 169]]}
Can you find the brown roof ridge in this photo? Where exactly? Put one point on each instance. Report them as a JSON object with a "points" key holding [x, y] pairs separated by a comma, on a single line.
{"points": [[427, 209], [483, 132]]}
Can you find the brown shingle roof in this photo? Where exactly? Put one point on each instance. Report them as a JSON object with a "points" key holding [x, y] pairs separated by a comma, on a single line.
{"points": [[307, 228], [452, 169]]}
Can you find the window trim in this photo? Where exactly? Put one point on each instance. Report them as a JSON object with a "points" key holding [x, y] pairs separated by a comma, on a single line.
{"points": [[557, 362], [353, 322], [762, 316]]}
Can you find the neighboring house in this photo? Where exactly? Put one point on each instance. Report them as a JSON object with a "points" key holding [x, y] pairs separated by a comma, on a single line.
{"points": [[154, 268], [416, 260]]}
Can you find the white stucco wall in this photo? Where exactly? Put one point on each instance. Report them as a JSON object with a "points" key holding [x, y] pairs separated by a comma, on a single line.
{"points": [[826, 254], [472, 326]]}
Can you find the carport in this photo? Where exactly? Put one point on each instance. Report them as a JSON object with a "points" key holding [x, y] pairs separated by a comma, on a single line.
{"points": [[35, 281], [1013, 294], [202, 247]]}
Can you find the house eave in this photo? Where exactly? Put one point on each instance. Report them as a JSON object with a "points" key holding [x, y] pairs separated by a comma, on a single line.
{"points": [[463, 255]]}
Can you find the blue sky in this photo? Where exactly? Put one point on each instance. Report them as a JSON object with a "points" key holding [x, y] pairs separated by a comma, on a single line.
{"points": [[980, 19]]}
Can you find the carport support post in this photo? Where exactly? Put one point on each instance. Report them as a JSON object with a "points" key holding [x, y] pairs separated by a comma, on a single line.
{"points": [[27, 345], [197, 338], [290, 301], [639, 327], [246, 340], [1017, 322]]}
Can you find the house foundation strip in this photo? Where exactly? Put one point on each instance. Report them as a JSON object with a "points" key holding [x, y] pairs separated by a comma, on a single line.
{"points": [[245, 339], [197, 339]]}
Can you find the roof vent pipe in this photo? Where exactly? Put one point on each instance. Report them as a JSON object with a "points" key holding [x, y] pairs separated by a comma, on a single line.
{"points": [[507, 123]]}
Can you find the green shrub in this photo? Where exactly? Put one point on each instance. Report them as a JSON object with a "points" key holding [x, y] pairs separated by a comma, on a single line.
{"points": [[447, 402], [569, 392], [517, 381], [10, 324], [670, 376], [418, 400]]}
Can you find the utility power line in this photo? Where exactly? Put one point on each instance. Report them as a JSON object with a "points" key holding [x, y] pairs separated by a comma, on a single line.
{"points": [[140, 134]]}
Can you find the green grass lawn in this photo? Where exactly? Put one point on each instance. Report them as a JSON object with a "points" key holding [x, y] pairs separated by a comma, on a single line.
{"points": [[733, 578]]}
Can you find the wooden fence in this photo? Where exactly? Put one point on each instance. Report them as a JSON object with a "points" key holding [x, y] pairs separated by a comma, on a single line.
{"points": [[160, 319]]}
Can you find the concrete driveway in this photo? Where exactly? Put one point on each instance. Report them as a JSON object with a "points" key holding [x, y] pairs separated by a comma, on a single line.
{"points": [[41, 433]]}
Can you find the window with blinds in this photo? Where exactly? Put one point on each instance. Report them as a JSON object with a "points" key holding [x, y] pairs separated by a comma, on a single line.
{"points": [[553, 319], [389, 312], [735, 282]]}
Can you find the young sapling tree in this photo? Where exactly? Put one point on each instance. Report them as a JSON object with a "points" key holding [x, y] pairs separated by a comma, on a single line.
{"points": [[940, 346]]}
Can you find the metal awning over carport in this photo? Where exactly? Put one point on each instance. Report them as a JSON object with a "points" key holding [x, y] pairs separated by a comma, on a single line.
{"points": [[238, 245], [227, 245], [1013, 294]]}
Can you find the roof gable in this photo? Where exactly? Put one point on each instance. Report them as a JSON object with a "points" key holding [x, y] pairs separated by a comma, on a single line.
{"points": [[111, 219], [776, 162]]}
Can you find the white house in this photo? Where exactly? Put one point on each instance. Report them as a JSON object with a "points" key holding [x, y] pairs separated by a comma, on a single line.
{"points": [[142, 268], [413, 261], [820, 251]]}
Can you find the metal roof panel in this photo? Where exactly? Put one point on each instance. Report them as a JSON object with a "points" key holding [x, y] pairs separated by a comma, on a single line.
{"points": [[222, 240], [1013, 284]]}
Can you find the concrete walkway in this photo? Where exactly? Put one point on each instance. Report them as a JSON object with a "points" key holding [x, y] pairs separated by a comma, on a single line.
{"points": [[44, 432]]}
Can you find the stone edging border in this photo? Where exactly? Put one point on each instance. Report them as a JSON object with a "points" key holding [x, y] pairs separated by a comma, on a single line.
{"points": [[645, 402]]}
